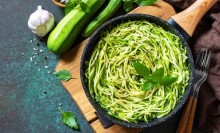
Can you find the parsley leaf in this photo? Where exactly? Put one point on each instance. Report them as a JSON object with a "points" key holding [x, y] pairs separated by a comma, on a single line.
{"points": [[63, 75], [69, 119]]}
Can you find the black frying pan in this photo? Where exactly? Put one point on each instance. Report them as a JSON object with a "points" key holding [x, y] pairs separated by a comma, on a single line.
{"points": [[182, 24]]}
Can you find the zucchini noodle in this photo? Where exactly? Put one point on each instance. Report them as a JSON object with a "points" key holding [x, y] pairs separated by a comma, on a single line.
{"points": [[113, 81]]}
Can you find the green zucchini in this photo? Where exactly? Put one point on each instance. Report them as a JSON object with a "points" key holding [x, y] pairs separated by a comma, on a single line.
{"points": [[68, 29], [102, 17]]}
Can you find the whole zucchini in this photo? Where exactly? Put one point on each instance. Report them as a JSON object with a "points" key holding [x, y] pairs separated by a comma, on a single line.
{"points": [[104, 15], [68, 29]]}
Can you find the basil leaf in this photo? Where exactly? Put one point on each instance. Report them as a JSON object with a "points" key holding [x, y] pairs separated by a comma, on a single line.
{"points": [[70, 120], [145, 2], [141, 69], [157, 84], [63, 75], [147, 86], [167, 80], [69, 7], [128, 6], [158, 74], [149, 78]]}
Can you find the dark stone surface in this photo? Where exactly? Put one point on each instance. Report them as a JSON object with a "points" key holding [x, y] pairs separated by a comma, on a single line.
{"points": [[29, 94]]}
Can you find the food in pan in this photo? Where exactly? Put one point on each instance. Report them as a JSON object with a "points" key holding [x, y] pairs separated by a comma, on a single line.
{"points": [[115, 84]]}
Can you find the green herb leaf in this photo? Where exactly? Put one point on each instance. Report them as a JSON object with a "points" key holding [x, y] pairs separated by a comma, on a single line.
{"points": [[69, 119], [69, 7], [145, 2], [141, 69], [73, 3], [157, 84], [63, 75], [149, 78], [147, 86], [158, 74], [167, 80], [128, 6]]}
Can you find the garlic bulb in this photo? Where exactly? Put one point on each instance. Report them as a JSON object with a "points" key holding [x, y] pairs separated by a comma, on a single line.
{"points": [[41, 22]]}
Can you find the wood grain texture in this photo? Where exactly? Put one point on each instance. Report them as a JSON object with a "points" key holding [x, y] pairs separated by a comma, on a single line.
{"points": [[187, 119], [185, 116], [71, 61], [189, 18], [191, 116]]}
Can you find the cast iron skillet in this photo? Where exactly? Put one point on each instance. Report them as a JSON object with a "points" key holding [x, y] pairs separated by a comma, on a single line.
{"points": [[182, 25]]}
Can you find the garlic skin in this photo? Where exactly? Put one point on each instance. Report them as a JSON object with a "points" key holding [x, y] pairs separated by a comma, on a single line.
{"points": [[41, 22]]}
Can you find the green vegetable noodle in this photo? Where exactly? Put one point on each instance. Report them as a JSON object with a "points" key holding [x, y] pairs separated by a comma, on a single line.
{"points": [[117, 86]]}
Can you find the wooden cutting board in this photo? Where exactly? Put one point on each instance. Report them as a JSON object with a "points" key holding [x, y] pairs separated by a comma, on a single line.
{"points": [[71, 61]]}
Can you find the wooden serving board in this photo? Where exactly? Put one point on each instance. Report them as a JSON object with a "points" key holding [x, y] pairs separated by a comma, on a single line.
{"points": [[71, 61]]}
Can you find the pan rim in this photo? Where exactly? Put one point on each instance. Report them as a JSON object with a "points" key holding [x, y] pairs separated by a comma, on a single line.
{"points": [[132, 17]]}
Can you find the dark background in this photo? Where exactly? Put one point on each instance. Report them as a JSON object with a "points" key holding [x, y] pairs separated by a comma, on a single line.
{"points": [[30, 94]]}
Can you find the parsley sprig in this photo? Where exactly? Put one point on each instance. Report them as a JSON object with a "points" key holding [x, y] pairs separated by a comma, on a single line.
{"points": [[153, 79]]}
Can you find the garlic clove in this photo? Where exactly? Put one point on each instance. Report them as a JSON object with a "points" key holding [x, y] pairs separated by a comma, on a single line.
{"points": [[41, 22]]}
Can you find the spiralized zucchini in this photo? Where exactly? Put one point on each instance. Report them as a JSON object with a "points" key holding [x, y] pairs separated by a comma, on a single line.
{"points": [[113, 81]]}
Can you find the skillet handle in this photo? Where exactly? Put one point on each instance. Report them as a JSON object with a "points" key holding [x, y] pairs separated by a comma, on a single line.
{"points": [[190, 17], [186, 122]]}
